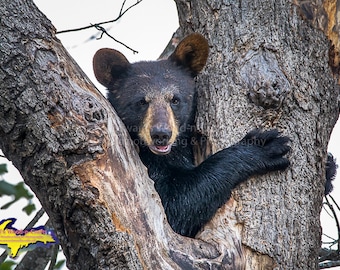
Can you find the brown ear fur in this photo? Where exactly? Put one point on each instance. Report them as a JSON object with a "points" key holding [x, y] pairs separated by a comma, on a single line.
{"points": [[192, 52], [108, 64]]}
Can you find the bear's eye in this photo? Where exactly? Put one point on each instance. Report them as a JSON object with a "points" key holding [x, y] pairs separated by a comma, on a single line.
{"points": [[175, 101], [142, 102]]}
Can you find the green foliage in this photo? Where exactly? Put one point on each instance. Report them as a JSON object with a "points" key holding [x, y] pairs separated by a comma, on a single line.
{"points": [[17, 191], [58, 265], [7, 265], [3, 169]]}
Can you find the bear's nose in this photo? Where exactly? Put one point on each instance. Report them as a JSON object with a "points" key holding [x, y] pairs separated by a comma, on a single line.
{"points": [[160, 136]]}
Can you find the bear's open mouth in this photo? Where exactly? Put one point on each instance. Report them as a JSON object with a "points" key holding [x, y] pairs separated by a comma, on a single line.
{"points": [[160, 149]]}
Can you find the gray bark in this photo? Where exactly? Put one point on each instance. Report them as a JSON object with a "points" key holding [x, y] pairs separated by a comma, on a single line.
{"points": [[269, 67]]}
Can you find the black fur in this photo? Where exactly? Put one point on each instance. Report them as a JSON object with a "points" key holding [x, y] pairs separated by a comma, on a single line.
{"points": [[331, 167], [191, 195]]}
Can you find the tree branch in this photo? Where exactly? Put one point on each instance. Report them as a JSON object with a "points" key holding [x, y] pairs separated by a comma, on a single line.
{"points": [[331, 264], [103, 31], [121, 14], [54, 255], [100, 28], [329, 254]]}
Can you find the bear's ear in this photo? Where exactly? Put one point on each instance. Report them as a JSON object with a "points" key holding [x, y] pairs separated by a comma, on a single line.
{"points": [[108, 65], [192, 53]]}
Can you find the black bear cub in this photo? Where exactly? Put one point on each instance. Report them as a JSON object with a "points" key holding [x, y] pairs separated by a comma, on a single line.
{"points": [[156, 102]]}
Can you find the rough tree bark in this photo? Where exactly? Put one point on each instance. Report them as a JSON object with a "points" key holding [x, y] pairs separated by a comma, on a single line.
{"points": [[271, 65], [268, 68]]}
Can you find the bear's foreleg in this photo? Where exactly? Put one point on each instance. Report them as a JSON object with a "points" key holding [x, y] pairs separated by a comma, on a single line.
{"points": [[191, 197]]}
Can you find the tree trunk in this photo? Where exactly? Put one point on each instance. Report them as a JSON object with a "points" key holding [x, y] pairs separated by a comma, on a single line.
{"points": [[268, 68], [76, 155]]}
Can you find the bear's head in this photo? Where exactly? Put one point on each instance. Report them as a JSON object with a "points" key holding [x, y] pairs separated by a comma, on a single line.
{"points": [[155, 100]]}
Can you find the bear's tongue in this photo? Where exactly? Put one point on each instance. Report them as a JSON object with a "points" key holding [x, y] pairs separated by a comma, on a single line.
{"points": [[160, 149]]}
